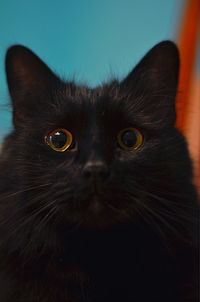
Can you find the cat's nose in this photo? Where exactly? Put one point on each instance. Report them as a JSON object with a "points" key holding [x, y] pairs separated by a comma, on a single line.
{"points": [[97, 170]]}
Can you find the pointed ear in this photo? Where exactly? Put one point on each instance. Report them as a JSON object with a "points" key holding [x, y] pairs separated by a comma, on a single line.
{"points": [[28, 78], [154, 80]]}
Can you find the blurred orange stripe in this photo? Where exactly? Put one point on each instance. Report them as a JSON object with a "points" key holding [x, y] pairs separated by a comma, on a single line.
{"points": [[188, 98], [193, 127], [187, 42]]}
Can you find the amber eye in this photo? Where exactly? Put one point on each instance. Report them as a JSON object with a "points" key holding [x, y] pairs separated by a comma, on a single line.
{"points": [[59, 140], [130, 139]]}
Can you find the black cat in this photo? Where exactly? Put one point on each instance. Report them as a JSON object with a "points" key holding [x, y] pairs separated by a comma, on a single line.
{"points": [[97, 202]]}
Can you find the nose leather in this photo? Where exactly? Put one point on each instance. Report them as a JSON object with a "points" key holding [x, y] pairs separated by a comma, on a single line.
{"points": [[96, 169]]}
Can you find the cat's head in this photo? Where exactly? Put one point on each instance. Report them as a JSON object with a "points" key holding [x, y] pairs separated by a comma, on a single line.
{"points": [[96, 157]]}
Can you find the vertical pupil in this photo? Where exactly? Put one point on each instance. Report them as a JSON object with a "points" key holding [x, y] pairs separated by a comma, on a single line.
{"points": [[59, 139], [129, 138]]}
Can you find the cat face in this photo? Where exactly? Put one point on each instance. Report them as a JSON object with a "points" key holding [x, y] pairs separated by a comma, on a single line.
{"points": [[95, 158]]}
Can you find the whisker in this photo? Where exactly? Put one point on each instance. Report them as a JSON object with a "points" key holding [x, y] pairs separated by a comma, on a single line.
{"points": [[24, 222], [43, 222], [25, 190], [160, 218]]}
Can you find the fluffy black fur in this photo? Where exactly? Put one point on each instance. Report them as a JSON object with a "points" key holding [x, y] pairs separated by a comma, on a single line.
{"points": [[97, 223]]}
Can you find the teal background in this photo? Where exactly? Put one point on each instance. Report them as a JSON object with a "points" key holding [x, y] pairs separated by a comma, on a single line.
{"points": [[87, 39]]}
